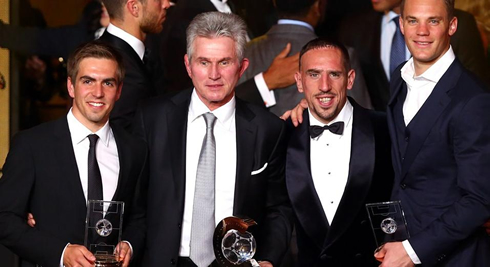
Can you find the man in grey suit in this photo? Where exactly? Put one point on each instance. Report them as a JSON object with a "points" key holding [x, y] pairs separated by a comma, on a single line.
{"points": [[295, 26]]}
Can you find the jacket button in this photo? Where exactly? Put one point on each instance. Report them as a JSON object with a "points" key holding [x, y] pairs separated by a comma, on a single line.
{"points": [[179, 225], [324, 257], [358, 255], [406, 138], [403, 186], [172, 261]]}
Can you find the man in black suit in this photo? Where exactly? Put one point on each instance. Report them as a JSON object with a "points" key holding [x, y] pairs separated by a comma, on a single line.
{"points": [[47, 169], [248, 162], [131, 21], [439, 127], [331, 176], [371, 33]]}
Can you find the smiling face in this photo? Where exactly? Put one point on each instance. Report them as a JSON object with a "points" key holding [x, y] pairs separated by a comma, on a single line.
{"points": [[428, 30], [215, 69], [94, 91], [324, 81]]}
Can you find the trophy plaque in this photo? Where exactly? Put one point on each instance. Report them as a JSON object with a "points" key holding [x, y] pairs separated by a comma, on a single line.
{"points": [[387, 221], [103, 229], [233, 244]]}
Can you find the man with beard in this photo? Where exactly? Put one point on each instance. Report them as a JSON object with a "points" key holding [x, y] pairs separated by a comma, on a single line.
{"points": [[131, 21]]}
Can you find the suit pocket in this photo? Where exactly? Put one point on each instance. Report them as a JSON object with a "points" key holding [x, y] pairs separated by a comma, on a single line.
{"points": [[259, 170]]}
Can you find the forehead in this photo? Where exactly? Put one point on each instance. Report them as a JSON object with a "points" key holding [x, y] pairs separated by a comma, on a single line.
{"points": [[97, 65], [424, 8], [214, 48], [322, 58]]}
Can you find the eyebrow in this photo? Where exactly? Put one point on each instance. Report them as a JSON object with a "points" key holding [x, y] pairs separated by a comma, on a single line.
{"points": [[85, 77], [207, 59]]}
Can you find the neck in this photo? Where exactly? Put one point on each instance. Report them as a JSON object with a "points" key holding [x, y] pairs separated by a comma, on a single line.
{"points": [[131, 28]]}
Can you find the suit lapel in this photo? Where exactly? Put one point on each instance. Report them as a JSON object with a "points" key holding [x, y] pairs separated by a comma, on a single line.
{"points": [[361, 168], [67, 163], [177, 129], [428, 114], [301, 189], [125, 162], [246, 132], [396, 86]]}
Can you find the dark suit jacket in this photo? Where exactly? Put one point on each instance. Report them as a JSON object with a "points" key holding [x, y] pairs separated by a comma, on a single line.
{"points": [[441, 162], [262, 196], [363, 33], [348, 240], [40, 176], [137, 83], [262, 50]]}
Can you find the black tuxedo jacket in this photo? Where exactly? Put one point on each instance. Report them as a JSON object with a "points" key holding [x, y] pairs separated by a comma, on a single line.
{"points": [[137, 83], [263, 197], [40, 176], [363, 33], [441, 161], [348, 240]]}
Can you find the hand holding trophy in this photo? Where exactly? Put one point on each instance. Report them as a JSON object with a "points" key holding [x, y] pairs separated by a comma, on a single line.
{"points": [[103, 230], [233, 244]]}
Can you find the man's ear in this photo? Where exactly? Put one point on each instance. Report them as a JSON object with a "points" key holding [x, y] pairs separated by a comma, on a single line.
{"points": [[351, 77], [299, 84], [188, 65], [132, 6], [70, 87]]}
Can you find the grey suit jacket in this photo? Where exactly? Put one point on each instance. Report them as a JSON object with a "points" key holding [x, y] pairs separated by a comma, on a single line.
{"points": [[262, 50]]}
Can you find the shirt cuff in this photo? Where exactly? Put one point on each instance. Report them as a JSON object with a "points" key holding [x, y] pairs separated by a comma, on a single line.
{"points": [[62, 255], [411, 252], [266, 94], [130, 247]]}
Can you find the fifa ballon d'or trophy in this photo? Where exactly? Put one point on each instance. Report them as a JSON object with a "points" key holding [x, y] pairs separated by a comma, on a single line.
{"points": [[233, 244], [103, 230]]}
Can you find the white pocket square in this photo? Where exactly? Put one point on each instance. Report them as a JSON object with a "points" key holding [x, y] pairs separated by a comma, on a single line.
{"points": [[259, 170]]}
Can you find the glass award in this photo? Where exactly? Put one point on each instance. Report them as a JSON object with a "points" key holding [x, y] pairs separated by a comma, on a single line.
{"points": [[387, 222], [103, 230], [233, 244]]}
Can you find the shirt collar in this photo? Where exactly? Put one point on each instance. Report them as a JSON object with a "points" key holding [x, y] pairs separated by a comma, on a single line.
{"points": [[79, 132], [295, 22], [345, 115], [134, 42], [224, 114], [387, 18], [221, 6], [434, 72]]}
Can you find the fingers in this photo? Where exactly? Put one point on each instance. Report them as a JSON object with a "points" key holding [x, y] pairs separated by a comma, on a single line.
{"points": [[286, 115], [284, 53], [30, 220], [123, 251], [379, 253], [77, 255]]}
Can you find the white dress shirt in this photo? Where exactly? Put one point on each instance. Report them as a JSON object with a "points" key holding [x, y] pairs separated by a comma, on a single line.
{"points": [[225, 137], [419, 89], [266, 94], [134, 42], [107, 158], [330, 158], [388, 29]]}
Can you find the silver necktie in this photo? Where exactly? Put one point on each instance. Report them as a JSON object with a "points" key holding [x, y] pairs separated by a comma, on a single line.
{"points": [[203, 224]]}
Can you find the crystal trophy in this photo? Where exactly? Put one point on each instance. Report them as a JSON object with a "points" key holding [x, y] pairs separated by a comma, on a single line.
{"points": [[233, 244], [387, 221], [103, 229]]}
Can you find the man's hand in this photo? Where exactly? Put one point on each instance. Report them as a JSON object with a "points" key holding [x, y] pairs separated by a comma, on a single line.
{"points": [[281, 72], [393, 254], [77, 255], [487, 227], [265, 264], [123, 251], [30, 220], [296, 113]]}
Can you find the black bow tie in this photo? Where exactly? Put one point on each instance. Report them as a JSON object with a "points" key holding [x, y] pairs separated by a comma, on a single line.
{"points": [[336, 128]]}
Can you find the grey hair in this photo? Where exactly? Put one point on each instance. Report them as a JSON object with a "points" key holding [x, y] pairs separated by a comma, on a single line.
{"points": [[216, 24]]}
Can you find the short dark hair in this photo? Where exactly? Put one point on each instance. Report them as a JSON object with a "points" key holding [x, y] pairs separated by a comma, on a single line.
{"points": [[322, 42], [293, 8], [115, 8], [94, 49], [449, 8]]}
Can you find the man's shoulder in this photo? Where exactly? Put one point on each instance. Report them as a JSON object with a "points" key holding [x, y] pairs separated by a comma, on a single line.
{"points": [[259, 114]]}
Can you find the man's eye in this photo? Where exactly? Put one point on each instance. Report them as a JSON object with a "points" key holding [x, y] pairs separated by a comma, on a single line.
{"points": [[224, 63], [109, 84], [314, 75], [204, 63]]}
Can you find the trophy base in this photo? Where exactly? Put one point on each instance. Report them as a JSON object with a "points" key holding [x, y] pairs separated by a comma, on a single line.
{"points": [[107, 261]]}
